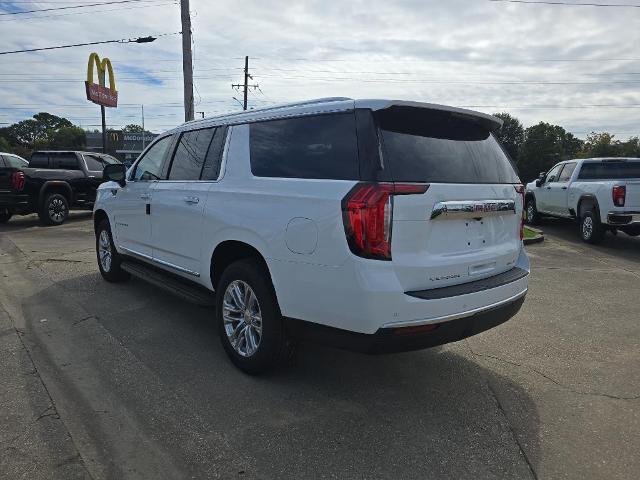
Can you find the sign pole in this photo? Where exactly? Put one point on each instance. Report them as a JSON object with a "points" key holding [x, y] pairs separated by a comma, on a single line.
{"points": [[104, 130]]}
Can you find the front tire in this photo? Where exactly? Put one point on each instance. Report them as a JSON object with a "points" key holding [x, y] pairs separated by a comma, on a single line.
{"points": [[54, 209], [109, 260], [248, 317], [591, 230], [5, 215], [532, 215]]}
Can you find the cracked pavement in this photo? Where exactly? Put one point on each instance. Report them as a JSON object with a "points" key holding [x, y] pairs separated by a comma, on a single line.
{"points": [[125, 381]]}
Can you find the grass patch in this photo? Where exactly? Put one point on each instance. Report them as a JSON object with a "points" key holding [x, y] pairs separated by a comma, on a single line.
{"points": [[529, 233]]}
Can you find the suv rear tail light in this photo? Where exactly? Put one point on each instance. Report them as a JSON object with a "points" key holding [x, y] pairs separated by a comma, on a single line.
{"points": [[367, 214], [520, 190], [619, 194], [17, 181]]}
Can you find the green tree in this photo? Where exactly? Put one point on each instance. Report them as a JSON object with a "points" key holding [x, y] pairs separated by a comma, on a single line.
{"points": [[544, 145], [36, 132], [132, 128], [631, 148], [601, 145], [511, 134], [4, 145], [72, 138]]}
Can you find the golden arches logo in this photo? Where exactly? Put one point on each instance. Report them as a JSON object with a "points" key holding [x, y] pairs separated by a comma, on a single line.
{"points": [[99, 93], [102, 67]]}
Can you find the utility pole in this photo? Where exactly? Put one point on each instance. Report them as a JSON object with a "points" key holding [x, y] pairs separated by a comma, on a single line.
{"points": [[104, 130], [246, 80], [143, 143], [187, 63], [245, 87]]}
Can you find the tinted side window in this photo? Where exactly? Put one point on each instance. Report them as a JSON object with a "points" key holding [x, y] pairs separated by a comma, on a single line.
{"points": [[211, 168], [93, 163], [2, 162], [63, 161], [567, 171], [190, 154], [150, 166], [39, 160], [322, 146]]}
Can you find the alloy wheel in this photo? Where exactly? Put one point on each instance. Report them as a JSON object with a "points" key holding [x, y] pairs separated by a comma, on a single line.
{"points": [[104, 251], [57, 210], [242, 318], [587, 228], [531, 211]]}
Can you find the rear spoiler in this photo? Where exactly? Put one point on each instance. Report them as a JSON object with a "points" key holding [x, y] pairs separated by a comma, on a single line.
{"points": [[488, 122]]}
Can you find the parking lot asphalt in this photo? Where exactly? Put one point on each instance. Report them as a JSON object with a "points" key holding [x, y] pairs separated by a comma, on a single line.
{"points": [[125, 381]]}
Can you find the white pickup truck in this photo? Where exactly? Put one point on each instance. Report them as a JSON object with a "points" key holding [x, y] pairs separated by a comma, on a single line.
{"points": [[601, 193]]}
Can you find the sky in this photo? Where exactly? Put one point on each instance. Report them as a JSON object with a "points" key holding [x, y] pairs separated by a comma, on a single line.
{"points": [[575, 66]]}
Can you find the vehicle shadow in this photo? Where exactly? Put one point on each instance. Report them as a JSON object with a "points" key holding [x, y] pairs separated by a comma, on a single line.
{"points": [[328, 413], [26, 222], [621, 245]]}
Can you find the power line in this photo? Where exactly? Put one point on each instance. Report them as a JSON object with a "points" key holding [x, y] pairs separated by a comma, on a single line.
{"points": [[40, 17], [582, 4], [130, 40], [74, 6]]}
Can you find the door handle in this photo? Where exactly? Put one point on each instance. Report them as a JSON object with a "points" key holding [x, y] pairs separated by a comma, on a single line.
{"points": [[548, 188], [191, 200], [145, 196], [564, 188]]}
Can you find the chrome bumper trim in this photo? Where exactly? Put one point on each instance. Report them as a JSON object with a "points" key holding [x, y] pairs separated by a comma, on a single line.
{"points": [[454, 316]]}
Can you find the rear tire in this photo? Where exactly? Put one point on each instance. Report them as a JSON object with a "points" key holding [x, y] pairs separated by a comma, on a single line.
{"points": [[248, 317], [532, 215], [591, 230], [5, 215], [108, 258], [54, 209]]}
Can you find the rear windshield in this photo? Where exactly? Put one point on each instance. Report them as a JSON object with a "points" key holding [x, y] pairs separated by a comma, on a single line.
{"points": [[615, 170], [421, 145]]}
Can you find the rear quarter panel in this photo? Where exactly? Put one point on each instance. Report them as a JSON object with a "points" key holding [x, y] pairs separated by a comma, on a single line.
{"points": [[289, 221]]}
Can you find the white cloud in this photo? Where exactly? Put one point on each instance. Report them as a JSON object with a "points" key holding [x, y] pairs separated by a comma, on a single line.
{"points": [[461, 52]]}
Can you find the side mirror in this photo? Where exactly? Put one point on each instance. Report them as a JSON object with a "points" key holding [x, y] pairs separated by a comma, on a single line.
{"points": [[538, 183], [115, 172]]}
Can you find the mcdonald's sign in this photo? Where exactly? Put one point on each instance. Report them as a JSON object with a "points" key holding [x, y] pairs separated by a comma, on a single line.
{"points": [[98, 92]]}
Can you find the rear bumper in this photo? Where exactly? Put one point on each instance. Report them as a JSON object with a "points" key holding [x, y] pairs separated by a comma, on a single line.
{"points": [[407, 338], [624, 218], [366, 296], [14, 201]]}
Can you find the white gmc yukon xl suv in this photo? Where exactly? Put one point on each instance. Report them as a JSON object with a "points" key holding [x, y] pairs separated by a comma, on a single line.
{"points": [[601, 193], [371, 225]]}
